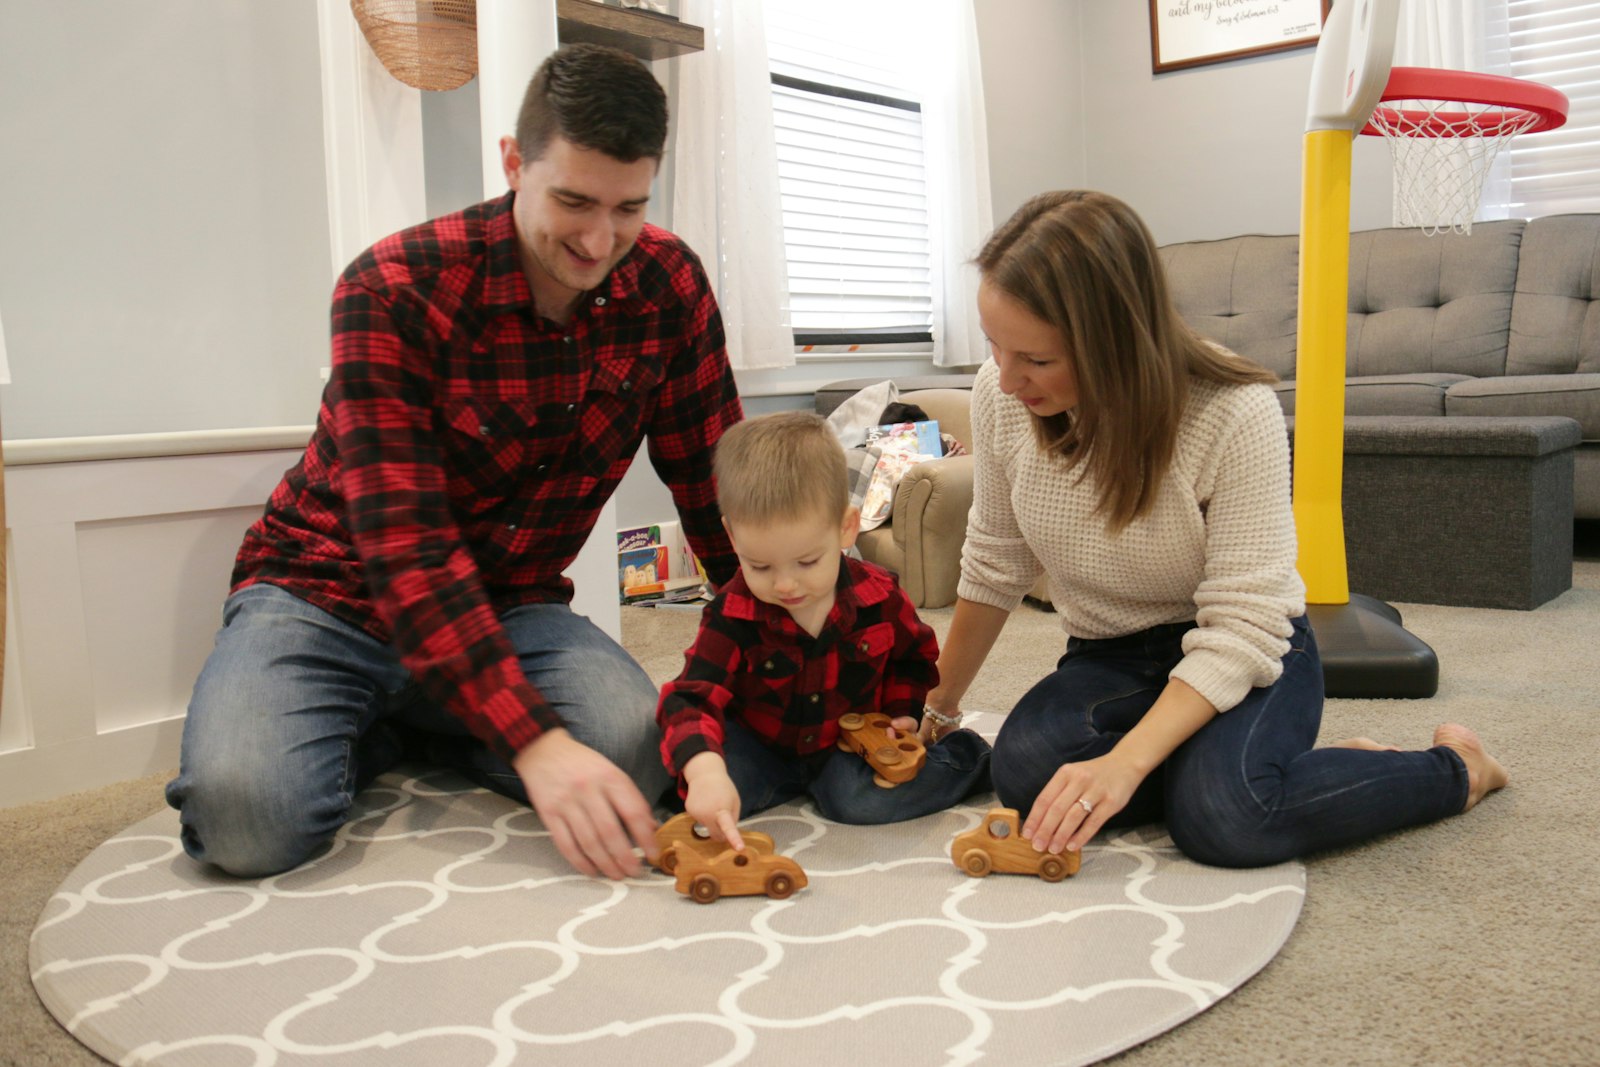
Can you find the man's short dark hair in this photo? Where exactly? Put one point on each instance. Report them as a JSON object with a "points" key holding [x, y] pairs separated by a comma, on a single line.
{"points": [[597, 97]]}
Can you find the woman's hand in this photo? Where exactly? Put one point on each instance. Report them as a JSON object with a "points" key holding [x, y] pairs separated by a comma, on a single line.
{"points": [[1078, 800], [940, 715], [1080, 797]]}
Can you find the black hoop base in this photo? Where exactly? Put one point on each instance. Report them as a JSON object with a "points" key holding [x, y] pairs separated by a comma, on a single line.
{"points": [[1366, 653]]}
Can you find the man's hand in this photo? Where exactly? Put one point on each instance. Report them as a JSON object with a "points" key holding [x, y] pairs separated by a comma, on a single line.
{"points": [[590, 807]]}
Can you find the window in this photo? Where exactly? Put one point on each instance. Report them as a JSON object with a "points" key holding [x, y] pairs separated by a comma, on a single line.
{"points": [[1557, 42], [851, 175]]}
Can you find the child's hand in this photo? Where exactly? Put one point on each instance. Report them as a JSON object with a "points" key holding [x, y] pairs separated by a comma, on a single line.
{"points": [[713, 799], [902, 724]]}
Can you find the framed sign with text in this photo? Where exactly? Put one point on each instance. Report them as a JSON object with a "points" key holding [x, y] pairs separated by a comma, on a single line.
{"points": [[1188, 33]]}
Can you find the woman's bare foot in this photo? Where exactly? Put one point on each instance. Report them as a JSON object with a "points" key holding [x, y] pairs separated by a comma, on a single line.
{"points": [[1366, 743], [1484, 772]]}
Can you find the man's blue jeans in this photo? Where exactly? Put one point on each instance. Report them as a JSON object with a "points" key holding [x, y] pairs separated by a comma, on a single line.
{"points": [[1247, 789], [842, 783], [296, 711]]}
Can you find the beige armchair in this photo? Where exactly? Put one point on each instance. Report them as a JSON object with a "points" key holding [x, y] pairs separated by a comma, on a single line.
{"points": [[921, 541]]}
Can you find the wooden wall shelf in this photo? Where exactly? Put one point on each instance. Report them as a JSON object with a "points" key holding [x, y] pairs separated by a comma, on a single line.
{"points": [[646, 35]]}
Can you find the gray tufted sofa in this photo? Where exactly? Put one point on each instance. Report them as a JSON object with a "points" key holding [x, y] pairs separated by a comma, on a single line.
{"points": [[1502, 322]]}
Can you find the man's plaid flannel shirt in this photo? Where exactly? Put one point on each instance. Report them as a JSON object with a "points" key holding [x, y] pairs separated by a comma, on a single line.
{"points": [[752, 662], [465, 446]]}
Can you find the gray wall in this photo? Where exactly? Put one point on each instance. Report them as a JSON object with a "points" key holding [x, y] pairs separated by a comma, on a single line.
{"points": [[164, 257], [452, 152], [1210, 151], [1033, 94], [164, 253]]}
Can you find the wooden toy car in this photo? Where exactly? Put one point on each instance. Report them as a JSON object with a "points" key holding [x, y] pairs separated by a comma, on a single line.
{"points": [[998, 845], [681, 834], [732, 873], [895, 759]]}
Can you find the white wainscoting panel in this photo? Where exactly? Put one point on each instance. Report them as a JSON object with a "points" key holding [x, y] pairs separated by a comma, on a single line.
{"points": [[118, 569], [120, 555]]}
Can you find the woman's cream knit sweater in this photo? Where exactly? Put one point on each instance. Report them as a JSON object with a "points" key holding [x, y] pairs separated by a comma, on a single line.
{"points": [[1218, 546]]}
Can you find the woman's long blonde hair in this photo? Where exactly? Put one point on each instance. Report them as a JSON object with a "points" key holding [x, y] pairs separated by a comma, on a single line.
{"points": [[1084, 262]]}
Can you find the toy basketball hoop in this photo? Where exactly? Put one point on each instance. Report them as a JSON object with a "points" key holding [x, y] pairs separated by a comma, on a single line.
{"points": [[1444, 129]]}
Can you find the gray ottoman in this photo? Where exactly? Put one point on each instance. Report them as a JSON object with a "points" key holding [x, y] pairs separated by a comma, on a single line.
{"points": [[1464, 510]]}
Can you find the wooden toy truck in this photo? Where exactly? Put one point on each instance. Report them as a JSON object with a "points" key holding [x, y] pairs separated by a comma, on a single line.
{"points": [[998, 845], [894, 759]]}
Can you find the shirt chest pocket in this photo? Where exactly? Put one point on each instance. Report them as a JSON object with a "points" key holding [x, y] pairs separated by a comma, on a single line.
{"points": [[488, 446], [621, 396], [864, 659], [776, 667]]}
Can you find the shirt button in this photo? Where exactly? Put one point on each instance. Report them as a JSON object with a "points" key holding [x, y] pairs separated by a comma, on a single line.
{"points": [[767, 666], [809, 739], [815, 697], [627, 387], [567, 339], [599, 301], [541, 468], [483, 430], [865, 647], [511, 526], [572, 408]]}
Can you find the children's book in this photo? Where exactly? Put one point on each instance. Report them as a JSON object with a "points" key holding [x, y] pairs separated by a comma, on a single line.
{"points": [[919, 438]]}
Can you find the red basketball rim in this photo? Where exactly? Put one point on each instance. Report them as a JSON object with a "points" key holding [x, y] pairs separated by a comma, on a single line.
{"points": [[1510, 100]]}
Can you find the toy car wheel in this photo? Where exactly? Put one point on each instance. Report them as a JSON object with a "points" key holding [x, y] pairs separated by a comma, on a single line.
{"points": [[1052, 868], [852, 721], [779, 885], [887, 754], [669, 859], [705, 888], [976, 862]]}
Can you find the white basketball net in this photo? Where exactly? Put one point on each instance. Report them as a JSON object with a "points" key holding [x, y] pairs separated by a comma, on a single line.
{"points": [[1442, 152]]}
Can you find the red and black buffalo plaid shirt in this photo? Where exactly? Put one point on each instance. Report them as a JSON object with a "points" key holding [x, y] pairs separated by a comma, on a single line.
{"points": [[752, 662], [465, 446]]}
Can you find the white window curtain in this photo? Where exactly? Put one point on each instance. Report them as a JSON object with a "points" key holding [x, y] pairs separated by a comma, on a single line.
{"points": [[1451, 35], [1442, 33], [852, 175], [725, 199], [931, 178], [725, 184], [1556, 42], [957, 154]]}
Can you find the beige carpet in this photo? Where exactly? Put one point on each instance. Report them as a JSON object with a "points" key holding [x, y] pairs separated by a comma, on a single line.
{"points": [[1477, 938]]}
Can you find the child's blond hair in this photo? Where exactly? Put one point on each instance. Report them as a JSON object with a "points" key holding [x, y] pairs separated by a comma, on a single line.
{"points": [[783, 466]]}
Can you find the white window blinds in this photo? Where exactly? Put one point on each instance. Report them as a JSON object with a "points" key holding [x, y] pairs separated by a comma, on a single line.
{"points": [[1557, 42], [851, 174]]}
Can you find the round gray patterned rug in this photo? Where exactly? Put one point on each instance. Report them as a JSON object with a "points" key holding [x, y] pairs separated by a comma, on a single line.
{"points": [[441, 927]]}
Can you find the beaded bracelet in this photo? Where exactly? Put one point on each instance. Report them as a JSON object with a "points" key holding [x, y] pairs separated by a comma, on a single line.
{"points": [[939, 718]]}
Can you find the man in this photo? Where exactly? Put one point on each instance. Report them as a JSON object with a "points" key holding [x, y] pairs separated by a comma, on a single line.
{"points": [[494, 372]]}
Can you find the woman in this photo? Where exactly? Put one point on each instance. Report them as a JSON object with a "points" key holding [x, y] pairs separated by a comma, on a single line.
{"points": [[1147, 471]]}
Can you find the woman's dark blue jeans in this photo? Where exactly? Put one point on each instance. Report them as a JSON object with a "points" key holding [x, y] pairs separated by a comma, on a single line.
{"points": [[1247, 789]]}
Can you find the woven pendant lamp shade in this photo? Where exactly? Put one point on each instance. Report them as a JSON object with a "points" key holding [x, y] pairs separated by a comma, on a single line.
{"points": [[428, 44]]}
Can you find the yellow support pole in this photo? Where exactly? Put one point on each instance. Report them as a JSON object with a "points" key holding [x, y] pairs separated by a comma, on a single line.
{"points": [[1319, 369]]}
